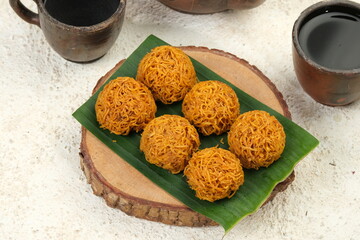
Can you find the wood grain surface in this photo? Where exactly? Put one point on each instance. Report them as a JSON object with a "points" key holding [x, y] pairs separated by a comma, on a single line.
{"points": [[125, 188]]}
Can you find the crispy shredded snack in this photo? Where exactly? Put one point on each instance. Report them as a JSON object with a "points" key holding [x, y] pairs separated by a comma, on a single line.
{"points": [[211, 106], [257, 139], [169, 141], [168, 72], [214, 173], [124, 105]]}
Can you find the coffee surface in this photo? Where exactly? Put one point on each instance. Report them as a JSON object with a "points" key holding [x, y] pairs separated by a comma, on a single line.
{"points": [[332, 40], [81, 12]]}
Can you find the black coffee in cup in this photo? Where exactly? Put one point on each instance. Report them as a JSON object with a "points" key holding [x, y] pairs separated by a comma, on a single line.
{"points": [[331, 38], [326, 51], [81, 12], [78, 30]]}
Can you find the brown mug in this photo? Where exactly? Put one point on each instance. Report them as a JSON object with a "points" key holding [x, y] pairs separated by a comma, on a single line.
{"points": [[78, 30], [326, 51], [210, 6]]}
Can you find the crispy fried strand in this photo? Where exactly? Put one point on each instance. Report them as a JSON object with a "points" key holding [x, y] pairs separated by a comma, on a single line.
{"points": [[214, 173], [169, 141], [257, 139], [124, 105], [168, 72], [211, 106]]}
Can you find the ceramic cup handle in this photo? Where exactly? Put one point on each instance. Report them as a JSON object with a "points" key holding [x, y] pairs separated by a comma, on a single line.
{"points": [[23, 12]]}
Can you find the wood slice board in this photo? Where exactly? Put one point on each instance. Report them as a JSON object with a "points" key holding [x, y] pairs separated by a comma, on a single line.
{"points": [[123, 187]]}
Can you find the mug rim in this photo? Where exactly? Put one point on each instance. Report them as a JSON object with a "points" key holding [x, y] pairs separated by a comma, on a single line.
{"points": [[98, 26], [303, 17]]}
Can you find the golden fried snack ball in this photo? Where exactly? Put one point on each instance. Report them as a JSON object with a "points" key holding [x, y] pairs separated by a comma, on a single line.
{"points": [[214, 173], [124, 105], [168, 72], [257, 139], [211, 106], [169, 141]]}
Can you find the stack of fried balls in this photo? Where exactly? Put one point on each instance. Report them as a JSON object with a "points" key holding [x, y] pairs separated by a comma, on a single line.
{"points": [[166, 74]]}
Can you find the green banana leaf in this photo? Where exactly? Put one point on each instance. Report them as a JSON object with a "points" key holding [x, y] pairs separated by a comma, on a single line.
{"points": [[258, 184]]}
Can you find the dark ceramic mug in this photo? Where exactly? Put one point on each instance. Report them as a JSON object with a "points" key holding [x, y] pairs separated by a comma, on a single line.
{"points": [[78, 30], [210, 6], [326, 51]]}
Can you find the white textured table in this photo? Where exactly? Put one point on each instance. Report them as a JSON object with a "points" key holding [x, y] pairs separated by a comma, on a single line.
{"points": [[43, 192]]}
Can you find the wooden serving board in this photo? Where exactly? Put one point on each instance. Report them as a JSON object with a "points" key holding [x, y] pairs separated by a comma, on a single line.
{"points": [[123, 187]]}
